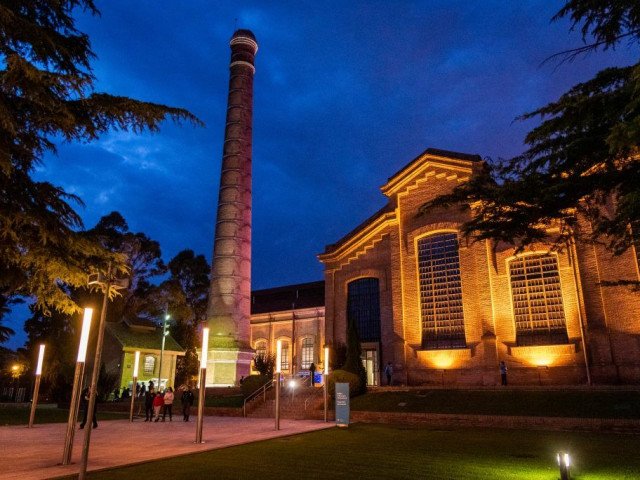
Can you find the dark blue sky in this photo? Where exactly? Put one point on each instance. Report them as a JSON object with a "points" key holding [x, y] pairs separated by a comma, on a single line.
{"points": [[345, 94]]}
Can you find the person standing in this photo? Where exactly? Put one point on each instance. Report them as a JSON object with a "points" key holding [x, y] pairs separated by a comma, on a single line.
{"points": [[168, 404], [312, 370], [187, 402], [84, 404], [158, 403], [388, 371], [149, 395], [503, 373]]}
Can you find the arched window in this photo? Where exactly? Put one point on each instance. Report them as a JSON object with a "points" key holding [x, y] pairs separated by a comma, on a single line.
{"points": [[363, 308], [537, 300], [440, 292], [284, 361], [149, 364], [261, 349], [307, 352]]}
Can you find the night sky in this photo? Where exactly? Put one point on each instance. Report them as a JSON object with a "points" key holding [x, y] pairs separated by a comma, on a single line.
{"points": [[345, 94]]}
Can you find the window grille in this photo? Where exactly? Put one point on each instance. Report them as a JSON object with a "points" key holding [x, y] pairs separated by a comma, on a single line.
{"points": [[537, 300], [440, 292], [284, 360], [307, 352], [363, 308], [149, 364]]}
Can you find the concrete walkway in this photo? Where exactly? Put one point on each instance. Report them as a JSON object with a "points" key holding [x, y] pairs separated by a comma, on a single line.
{"points": [[36, 453]]}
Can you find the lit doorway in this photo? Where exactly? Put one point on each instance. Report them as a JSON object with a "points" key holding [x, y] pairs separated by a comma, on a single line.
{"points": [[370, 362]]}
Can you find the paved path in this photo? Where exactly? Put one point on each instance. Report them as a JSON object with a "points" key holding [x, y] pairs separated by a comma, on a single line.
{"points": [[36, 453]]}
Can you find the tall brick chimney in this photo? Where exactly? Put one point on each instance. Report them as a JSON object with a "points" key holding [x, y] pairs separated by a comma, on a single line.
{"points": [[229, 309]]}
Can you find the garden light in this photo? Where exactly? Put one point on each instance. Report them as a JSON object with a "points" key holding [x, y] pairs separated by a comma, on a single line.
{"points": [[564, 463], [84, 334], [136, 363], [40, 360]]}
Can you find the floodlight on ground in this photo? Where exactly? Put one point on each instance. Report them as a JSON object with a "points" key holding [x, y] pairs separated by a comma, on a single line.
{"points": [[36, 387], [564, 464]]}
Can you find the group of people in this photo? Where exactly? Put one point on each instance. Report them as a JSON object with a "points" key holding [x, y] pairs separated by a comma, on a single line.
{"points": [[161, 403]]}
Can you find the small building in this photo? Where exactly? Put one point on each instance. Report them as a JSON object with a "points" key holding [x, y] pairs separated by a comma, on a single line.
{"points": [[293, 314], [121, 341]]}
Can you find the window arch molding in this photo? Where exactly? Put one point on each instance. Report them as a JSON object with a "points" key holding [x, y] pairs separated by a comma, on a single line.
{"points": [[260, 342], [286, 351], [380, 275], [431, 229], [537, 302]]}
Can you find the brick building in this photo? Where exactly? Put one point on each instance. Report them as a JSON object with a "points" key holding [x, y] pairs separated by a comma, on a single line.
{"points": [[446, 311]]}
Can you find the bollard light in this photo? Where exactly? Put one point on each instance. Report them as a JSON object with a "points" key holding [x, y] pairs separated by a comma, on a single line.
{"points": [[40, 360], [279, 357], [84, 334], [564, 464], [136, 363], [205, 348]]}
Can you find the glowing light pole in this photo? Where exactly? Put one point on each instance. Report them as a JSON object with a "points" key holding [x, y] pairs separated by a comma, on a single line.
{"points": [[77, 381], [36, 388], [564, 463], [136, 363], [165, 332], [203, 383], [325, 379], [278, 375]]}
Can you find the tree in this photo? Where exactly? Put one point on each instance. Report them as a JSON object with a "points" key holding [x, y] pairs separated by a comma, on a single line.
{"points": [[353, 361], [265, 364], [47, 94], [5, 307], [184, 295], [581, 170]]}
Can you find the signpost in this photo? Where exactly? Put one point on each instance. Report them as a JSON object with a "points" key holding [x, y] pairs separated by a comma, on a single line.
{"points": [[342, 404]]}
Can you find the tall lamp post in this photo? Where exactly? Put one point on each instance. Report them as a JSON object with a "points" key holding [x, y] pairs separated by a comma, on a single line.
{"points": [[106, 283], [165, 332], [36, 388], [77, 385], [136, 363], [326, 386], [278, 375], [203, 383]]}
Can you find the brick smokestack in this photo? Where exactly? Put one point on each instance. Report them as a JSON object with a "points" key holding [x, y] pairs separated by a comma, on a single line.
{"points": [[229, 308]]}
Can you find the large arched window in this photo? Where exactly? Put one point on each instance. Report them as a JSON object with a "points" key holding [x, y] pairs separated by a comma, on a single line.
{"points": [[284, 360], [363, 308], [307, 352], [261, 348], [440, 292], [537, 300]]}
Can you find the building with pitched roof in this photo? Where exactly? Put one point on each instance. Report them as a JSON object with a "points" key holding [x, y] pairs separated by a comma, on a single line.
{"points": [[444, 310], [121, 341]]}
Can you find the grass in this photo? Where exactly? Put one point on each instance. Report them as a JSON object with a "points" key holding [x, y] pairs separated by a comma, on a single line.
{"points": [[583, 404], [229, 401], [20, 415], [394, 452]]}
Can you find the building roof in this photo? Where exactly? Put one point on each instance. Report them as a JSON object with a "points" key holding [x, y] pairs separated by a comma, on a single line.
{"points": [[334, 246], [469, 157], [289, 297], [143, 339]]}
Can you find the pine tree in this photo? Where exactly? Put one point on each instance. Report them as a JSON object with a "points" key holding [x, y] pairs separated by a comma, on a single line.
{"points": [[581, 171], [47, 94]]}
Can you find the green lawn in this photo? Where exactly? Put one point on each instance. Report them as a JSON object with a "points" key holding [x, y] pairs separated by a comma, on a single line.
{"points": [[584, 404], [392, 452], [230, 401], [20, 415]]}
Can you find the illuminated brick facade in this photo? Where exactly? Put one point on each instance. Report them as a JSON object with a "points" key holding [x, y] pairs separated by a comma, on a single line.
{"points": [[450, 310]]}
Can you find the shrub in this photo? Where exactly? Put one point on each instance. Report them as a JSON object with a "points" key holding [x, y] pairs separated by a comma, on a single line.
{"points": [[342, 376], [253, 383]]}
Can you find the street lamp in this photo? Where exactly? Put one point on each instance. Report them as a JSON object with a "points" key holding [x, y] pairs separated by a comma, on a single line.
{"points": [[278, 373], [106, 283], [77, 380], [165, 332], [36, 388], [136, 363], [325, 379], [203, 383]]}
